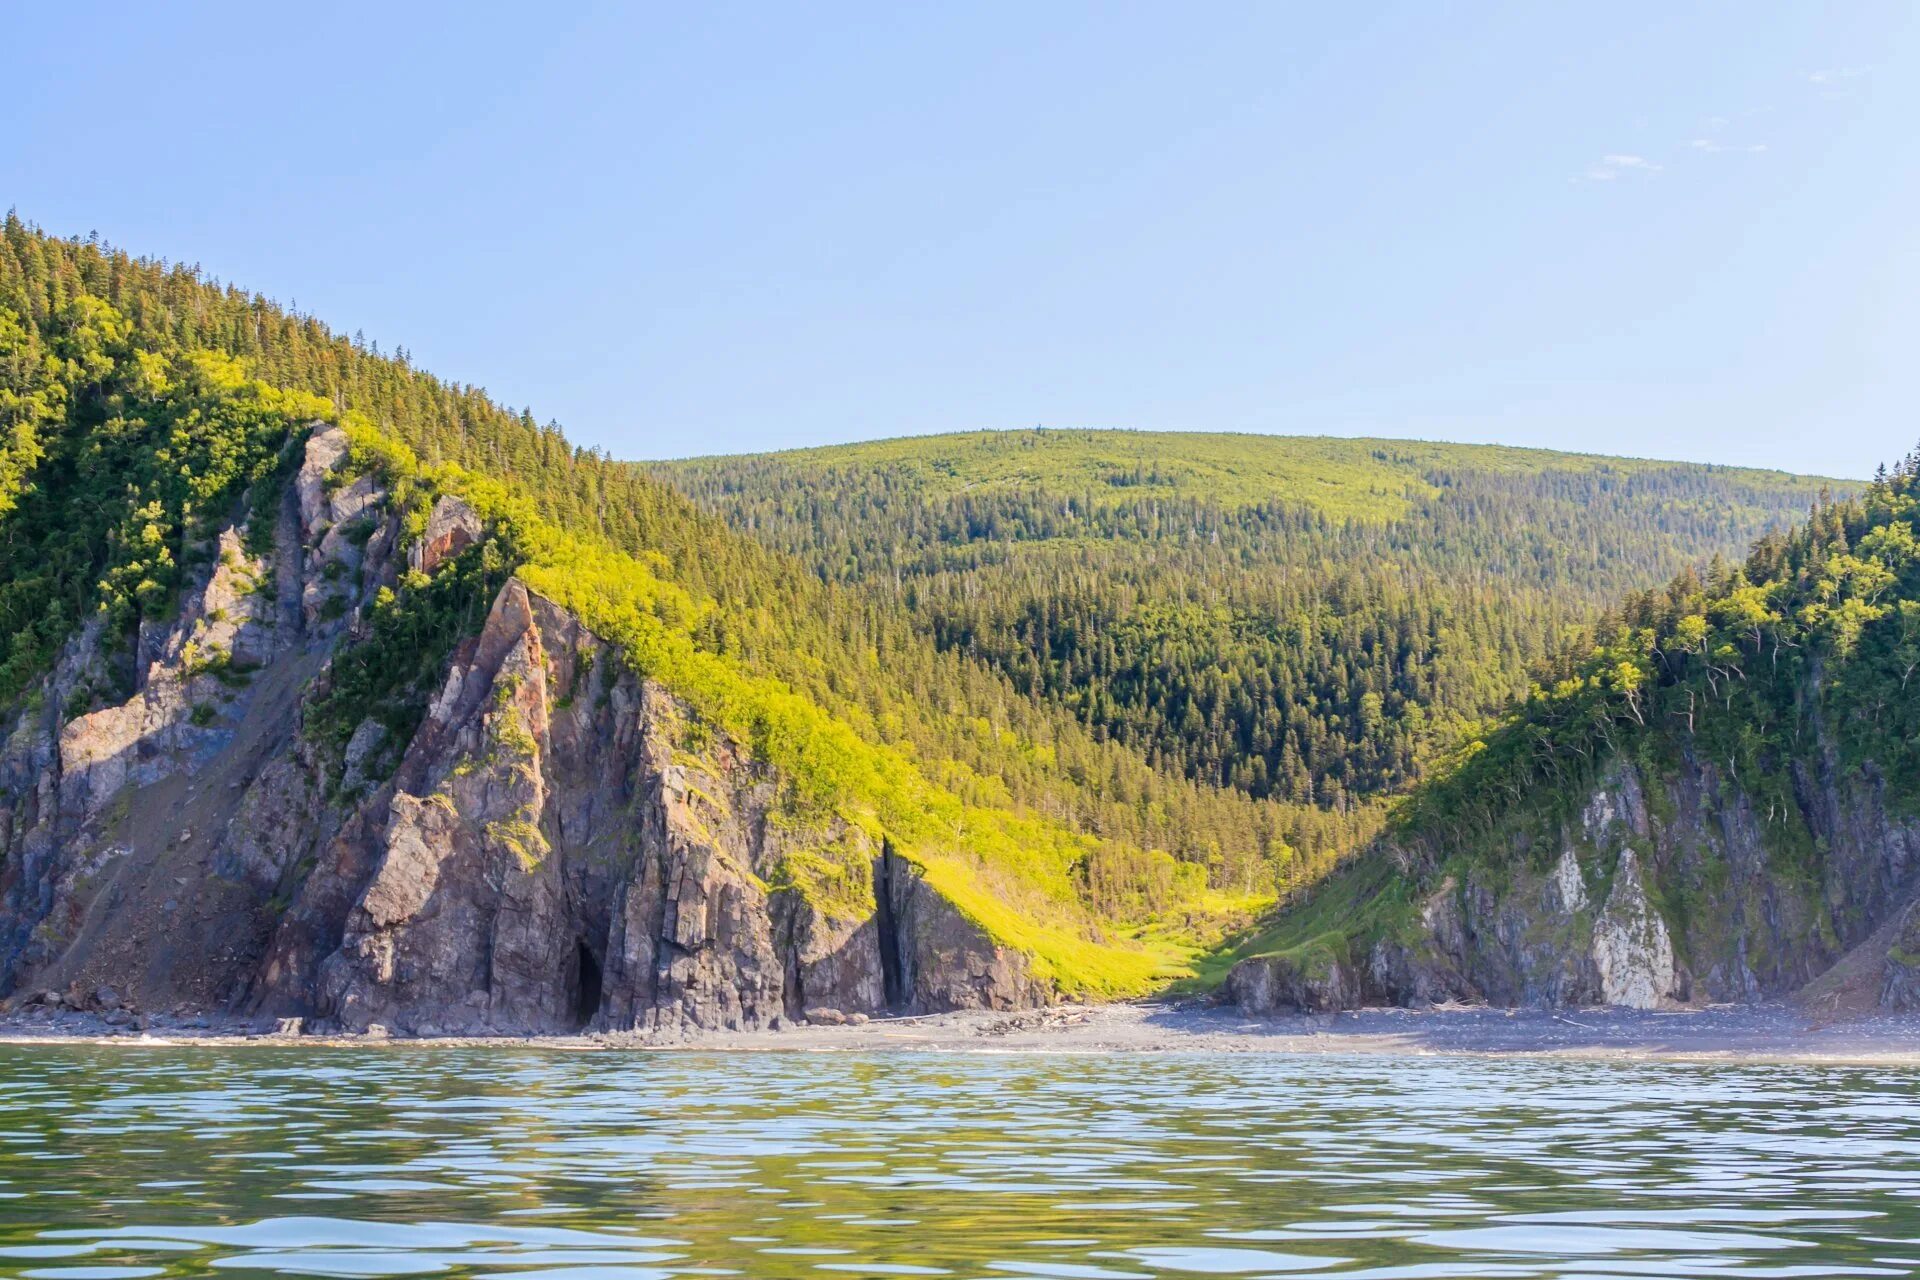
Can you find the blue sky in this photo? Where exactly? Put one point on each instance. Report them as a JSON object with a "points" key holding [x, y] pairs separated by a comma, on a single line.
{"points": [[1672, 230]]}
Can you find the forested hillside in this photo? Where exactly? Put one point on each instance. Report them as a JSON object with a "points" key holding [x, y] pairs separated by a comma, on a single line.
{"points": [[1107, 691], [1815, 633], [1301, 619], [140, 402], [1718, 798]]}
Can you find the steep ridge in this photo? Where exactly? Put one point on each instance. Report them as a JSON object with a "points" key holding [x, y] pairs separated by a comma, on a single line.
{"points": [[1718, 803], [1107, 844], [246, 630], [562, 844]]}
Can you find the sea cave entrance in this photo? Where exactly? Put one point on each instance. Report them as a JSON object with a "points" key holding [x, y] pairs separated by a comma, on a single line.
{"points": [[586, 985]]}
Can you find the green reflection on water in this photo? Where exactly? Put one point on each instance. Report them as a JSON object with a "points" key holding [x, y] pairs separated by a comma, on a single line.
{"points": [[142, 1161]]}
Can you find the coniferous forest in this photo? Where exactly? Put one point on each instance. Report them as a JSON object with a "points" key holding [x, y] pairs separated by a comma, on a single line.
{"points": [[1300, 620], [1198, 668]]}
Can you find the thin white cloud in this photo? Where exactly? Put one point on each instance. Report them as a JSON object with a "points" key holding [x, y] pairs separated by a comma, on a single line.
{"points": [[1712, 138], [1613, 167]]}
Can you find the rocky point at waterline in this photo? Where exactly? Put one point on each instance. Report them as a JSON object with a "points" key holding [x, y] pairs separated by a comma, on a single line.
{"points": [[1668, 887], [559, 845]]}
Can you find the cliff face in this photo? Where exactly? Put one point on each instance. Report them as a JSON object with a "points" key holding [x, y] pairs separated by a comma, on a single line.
{"points": [[560, 845], [1669, 887]]}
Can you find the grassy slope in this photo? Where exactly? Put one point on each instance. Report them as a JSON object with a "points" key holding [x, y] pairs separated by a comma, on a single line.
{"points": [[1352, 904]]}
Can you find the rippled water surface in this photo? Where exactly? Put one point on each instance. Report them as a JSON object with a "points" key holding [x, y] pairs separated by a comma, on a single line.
{"points": [[124, 1161]]}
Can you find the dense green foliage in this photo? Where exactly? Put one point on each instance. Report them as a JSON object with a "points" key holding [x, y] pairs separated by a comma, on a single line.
{"points": [[1296, 618], [1132, 697], [1051, 838], [120, 459], [963, 721], [1813, 640], [1763, 670]]}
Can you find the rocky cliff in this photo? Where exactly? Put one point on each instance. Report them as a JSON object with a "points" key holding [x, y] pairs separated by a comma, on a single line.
{"points": [[556, 844], [1670, 885]]}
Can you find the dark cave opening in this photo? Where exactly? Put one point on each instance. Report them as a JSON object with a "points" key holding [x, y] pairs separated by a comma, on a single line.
{"points": [[586, 986]]}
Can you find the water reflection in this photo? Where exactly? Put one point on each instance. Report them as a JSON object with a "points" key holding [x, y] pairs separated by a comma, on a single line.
{"points": [[132, 1162]]}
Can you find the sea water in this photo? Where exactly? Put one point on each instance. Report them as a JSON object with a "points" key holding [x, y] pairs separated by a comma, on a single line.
{"points": [[132, 1161]]}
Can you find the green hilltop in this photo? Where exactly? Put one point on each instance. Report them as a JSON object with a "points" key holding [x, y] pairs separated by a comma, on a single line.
{"points": [[1298, 619], [1342, 478]]}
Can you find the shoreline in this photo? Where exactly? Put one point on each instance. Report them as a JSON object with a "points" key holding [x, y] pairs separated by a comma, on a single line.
{"points": [[1774, 1032]]}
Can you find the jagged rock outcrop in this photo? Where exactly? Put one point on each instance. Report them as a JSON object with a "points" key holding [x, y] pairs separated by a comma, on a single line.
{"points": [[1311, 980], [1899, 986], [1667, 888], [137, 852], [560, 845], [945, 961], [452, 527], [555, 854]]}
